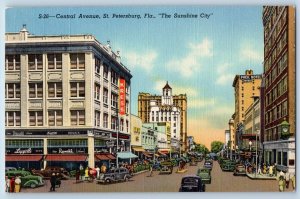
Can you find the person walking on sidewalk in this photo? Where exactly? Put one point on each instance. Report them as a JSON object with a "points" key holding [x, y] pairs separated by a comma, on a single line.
{"points": [[53, 182], [293, 179], [281, 184], [287, 179], [7, 181], [150, 170]]}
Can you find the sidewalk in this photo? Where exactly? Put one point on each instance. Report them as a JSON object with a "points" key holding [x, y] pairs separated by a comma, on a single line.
{"points": [[260, 176]]}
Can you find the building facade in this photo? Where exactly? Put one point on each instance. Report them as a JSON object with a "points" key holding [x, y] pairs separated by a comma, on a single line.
{"points": [[245, 88], [279, 75], [136, 133], [62, 100], [166, 108]]}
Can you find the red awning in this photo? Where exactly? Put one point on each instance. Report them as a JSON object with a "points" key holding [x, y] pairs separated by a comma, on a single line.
{"points": [[147, 154], [23, 158], [110, 156], [66, 157], [101, 157]]}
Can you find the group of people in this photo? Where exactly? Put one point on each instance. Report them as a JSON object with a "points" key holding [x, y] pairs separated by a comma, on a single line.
{"points": [[13, 185], [284, 180]]}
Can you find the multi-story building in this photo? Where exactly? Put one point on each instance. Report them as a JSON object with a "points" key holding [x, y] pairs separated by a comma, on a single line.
{"points": [[245, 88], [280, 84], [166, 108], [136, 134], [61, 100]]}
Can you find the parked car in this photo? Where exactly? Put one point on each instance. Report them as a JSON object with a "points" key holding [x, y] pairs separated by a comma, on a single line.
{"points": [[192, 183], [114, 175], [208, 165], [10, 169], [27, 179], [240, 169], [47, 172], [193, 162], [166, 167], [205, 175], [228, 166]]}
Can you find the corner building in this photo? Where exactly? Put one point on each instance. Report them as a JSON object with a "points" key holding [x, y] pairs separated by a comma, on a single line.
{"points": [[62, 101], [280, 86]]}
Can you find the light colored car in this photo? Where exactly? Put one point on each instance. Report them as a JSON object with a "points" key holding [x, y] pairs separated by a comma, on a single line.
{"points": [[27, 180]]}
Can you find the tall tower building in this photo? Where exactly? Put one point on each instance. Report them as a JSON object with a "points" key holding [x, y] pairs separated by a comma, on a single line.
{"points": [[280, 85], [166, 108], [246, 87]]}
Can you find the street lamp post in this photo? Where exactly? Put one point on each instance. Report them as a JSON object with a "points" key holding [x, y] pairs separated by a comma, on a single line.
{"points": [[236, 151], [256, 135]]}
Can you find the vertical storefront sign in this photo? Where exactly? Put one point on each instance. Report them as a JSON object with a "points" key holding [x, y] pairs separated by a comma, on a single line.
{"points": [[122, 96]]}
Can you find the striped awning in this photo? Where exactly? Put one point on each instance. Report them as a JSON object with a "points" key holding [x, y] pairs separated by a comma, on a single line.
{"points": [[138, 149], [66, 157], [126, 155], [23, 158]]}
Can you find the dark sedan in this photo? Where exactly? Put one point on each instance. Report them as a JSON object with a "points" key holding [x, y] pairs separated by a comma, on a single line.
{"points": [[239, 170], [208, 164], [192, 183]]}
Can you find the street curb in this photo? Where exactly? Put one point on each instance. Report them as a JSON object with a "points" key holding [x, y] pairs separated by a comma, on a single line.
{"points": [[140, 172], [260, 178]]}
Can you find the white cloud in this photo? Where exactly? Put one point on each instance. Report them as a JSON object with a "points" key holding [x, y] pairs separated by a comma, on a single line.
{"points": [[191, 63], [143, 60], [250, 54], [225, 77]]}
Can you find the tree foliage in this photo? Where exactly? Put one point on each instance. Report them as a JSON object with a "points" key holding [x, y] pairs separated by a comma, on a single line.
{"points": [[216, 146], [200, 148]]}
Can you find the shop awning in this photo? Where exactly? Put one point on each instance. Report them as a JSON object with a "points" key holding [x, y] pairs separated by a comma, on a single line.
{"points": [[101, 157], [126, 155], [23, 158], [138, 149], [147, 154], [104, 156], [66, 158]]}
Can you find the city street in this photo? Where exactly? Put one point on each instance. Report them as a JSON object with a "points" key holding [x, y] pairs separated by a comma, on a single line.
{"points": [[221, 182]]}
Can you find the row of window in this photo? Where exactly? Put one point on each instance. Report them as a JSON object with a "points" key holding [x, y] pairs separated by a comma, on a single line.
{"points": [[277, 69], [55, 118], [277, 112], [148, 140], [114, 124], [279, 89], [24, 143]]}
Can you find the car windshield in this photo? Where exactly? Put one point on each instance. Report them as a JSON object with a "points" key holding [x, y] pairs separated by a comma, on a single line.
{"points": [[207, 163], [190, 181]]}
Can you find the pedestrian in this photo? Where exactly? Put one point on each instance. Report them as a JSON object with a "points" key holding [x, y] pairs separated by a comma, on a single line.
{"points": [[271, 171], [293, 179], [12, 184], [98, 171], [58, 180], [18, 184], [86, 175], [259, 170], [287, 179], [103, 168], [275, 170], [150, 170], [81, 169], [281, 183], [281, 174], [7, 182], [77, 175], [264, 169], [53, 182]]}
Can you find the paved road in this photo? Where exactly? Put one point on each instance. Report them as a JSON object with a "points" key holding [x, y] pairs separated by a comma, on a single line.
{"points": [[221, 182]]}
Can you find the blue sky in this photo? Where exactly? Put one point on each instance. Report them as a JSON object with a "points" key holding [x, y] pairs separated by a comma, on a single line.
{"points": [[198, 57]]}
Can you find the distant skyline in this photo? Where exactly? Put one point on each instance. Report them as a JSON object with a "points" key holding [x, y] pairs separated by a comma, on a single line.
{"points": [[199, 57]]}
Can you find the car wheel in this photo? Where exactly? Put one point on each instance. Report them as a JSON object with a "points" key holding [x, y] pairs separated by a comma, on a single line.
{"points": [[32, 185], [126, 179], [107, 181]]}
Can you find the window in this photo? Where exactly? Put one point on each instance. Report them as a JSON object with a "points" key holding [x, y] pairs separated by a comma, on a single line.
{"points": [[113, 123], [105, 120], [55, 118], [35, 90], [12, 90], [127, 126], [114, 100], [97, 118], [174, 125], [77, 60], [97, 65], [122, 125], [127, 109], [97, 92], [105, 71], [35, 62], [77, 89], [174, 118], [284, 158], [12, 62], [35, 118], [284, 108], [54, 61], [77, 117], [114, 77], [278, 157], [105, 95], [242, 94], [12, 118], [54, 89]]}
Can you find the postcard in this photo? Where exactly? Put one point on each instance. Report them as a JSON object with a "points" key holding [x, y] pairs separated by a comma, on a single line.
{"points": [[150, 99]]}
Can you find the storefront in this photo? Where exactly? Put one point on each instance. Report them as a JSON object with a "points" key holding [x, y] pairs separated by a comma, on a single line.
{"points": [[102, 153], [67, 153], [24, 153]]}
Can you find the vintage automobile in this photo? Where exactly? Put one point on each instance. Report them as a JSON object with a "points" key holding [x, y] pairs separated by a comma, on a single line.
{"points": [[240, 169], [208, 165], [166, 167], [27, 180], [192, 183], [63, 174], [205, 175], [10, 169], [114, 175], [228, 166]]}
